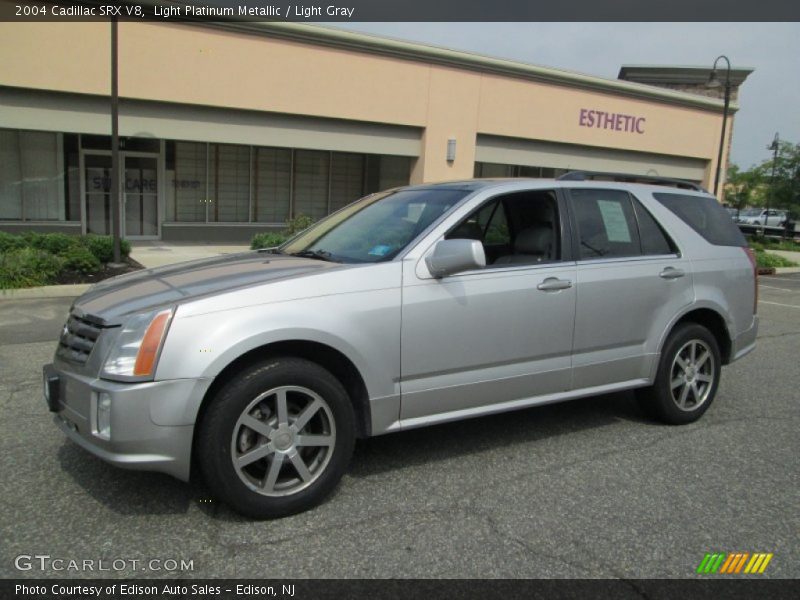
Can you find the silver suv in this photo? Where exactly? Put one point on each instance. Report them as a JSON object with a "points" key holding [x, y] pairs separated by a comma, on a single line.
{"points": [[410, 307]]}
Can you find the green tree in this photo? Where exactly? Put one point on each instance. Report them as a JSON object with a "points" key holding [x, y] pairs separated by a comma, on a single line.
{"points": [[742, 187], [755, 187], [785, 191]]}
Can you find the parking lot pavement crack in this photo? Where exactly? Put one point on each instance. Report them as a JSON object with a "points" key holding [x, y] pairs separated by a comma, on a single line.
{"points": [[540, 553], [36, 407]]}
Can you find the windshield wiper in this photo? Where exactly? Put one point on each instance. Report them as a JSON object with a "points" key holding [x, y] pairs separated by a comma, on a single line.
{"points": [[315, 254]]}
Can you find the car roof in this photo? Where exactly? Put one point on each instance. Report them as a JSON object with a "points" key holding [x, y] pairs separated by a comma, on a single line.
{"points": [[474, 185]]}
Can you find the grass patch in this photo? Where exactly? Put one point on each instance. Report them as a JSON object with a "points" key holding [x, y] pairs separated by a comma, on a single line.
{"points": [[765, 260], [33, 259], [765, 243]]}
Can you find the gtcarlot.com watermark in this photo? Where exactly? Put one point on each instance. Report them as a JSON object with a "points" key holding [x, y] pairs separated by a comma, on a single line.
{"points": [[47, 563]]}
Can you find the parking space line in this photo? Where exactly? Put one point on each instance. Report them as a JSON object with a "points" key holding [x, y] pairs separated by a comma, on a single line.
{"points": [[772, 287], [779, 304], [779, 278]]}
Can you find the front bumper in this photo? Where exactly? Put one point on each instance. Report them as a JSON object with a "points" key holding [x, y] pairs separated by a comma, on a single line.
{"points": [[151, 424]]}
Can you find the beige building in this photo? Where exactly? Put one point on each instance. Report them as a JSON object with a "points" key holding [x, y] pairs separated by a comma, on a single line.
{"points": [[229, 129]]}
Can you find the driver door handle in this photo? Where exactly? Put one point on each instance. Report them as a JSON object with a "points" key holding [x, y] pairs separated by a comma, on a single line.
{"points": [[554, 283], [671, 273]]}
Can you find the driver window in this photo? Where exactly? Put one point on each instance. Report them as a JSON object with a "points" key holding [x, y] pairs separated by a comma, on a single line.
{"points": [[515, 229]]}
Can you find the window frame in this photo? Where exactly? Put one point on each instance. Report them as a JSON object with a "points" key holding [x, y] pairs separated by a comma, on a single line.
{"points": [[631, 257], [565, 229]]}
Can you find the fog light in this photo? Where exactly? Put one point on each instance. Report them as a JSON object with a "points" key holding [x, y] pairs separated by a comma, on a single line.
{"points": [[104, 416]]}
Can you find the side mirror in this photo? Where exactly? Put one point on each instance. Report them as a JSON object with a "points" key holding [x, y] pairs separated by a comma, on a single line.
{"points": [[453, 256]]}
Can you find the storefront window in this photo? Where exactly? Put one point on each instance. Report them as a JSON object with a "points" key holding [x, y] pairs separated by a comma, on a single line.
{"points": [[31, 176], [229, 183], [394, 171], [490, 170], [272, 184], [186, 182], [347, 179], [311, 183]]}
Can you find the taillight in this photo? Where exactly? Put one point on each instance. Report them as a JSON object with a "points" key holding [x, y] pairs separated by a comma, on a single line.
{"points": [[752, 256]]}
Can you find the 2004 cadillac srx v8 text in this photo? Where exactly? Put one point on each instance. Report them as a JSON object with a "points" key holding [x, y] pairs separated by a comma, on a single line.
{"points": [[410, 307]]}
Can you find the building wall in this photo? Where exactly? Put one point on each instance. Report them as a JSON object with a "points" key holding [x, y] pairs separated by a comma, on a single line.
{"points": [[190, 83], [201, 66]]}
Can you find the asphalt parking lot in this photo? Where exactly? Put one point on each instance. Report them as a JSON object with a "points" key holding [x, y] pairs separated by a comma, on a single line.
{"points": [[583, 489]]}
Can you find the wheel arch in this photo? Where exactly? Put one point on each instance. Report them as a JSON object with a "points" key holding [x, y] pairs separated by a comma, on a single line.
{"points": [[711, 319], [337, 363]]}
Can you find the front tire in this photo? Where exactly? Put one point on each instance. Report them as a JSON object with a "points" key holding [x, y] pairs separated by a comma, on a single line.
{"points": [[277, 438], [687, 378]]}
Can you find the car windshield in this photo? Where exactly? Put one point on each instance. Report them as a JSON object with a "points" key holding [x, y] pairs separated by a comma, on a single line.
{"points": [[751, 212], [376, 228]]}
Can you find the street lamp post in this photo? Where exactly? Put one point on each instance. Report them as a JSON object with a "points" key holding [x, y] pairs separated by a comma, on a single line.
{"points": [[776, 141], [713, 82], [116, 209]]}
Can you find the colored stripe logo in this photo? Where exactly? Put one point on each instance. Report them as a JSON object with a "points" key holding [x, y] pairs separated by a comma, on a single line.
{"points": [[734, 563]]}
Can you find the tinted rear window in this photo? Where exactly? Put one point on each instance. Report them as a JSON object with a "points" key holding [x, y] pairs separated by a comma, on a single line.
{"points": [[706, 216]]}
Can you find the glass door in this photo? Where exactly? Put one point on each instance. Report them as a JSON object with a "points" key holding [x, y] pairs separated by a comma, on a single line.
{"points": [[97, 181], [140, 195]]}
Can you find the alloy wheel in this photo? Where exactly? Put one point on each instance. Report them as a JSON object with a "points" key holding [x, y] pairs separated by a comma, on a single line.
{"points": [[283, 441], [692, 375]]}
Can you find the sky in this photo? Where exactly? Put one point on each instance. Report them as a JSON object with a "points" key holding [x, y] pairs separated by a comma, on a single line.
{"points": [[769, 99]]}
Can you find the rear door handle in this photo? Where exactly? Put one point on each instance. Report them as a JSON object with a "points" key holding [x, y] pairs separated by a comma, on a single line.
{"points": [[554, 283], [671, 273]]}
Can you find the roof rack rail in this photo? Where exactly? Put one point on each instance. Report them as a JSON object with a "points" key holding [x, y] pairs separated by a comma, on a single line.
{"points": [[629, 178]]}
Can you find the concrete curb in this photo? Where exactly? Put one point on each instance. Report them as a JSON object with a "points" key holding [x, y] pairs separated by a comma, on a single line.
{"points": [[47, 291], [786, 270]]}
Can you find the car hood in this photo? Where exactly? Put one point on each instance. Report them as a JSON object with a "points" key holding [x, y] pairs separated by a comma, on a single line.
{"points": [[109, 300]]}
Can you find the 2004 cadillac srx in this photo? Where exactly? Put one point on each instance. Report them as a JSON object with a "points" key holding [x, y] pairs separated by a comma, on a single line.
{"points": [[406, 308]]}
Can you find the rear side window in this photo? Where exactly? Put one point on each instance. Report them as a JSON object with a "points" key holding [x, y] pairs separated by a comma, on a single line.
{"points": [[654, 240], [706, 216], [606, 223]]}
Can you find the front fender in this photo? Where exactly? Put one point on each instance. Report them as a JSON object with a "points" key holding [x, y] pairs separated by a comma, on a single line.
{"points": [[365, 327]]}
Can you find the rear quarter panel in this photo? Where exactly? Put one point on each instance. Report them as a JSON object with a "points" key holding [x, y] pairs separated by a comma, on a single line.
{"points": [[722, 275]]}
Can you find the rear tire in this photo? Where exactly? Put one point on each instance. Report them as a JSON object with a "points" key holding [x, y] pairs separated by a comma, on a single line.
{"points": [[277, 438], [687, 378]]}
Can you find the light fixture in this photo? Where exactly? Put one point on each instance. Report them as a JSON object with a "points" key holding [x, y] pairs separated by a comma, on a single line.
{"points": [[451, 150]]}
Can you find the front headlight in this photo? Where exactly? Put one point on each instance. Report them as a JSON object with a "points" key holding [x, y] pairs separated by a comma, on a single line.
{"points": [[135, 353]]}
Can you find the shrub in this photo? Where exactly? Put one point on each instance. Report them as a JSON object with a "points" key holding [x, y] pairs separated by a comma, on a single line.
{"points": [[80, 258], [298, 224], [102, 246], [56, 243], [269, 239], [9, 241], [766, 260], [28, 267]]}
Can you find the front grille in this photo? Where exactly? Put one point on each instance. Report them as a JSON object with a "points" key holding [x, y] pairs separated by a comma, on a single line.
{"points": [[77, 339]]}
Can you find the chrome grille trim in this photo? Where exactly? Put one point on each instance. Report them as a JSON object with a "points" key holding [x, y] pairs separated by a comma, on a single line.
{"points": [[78, 339]]}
